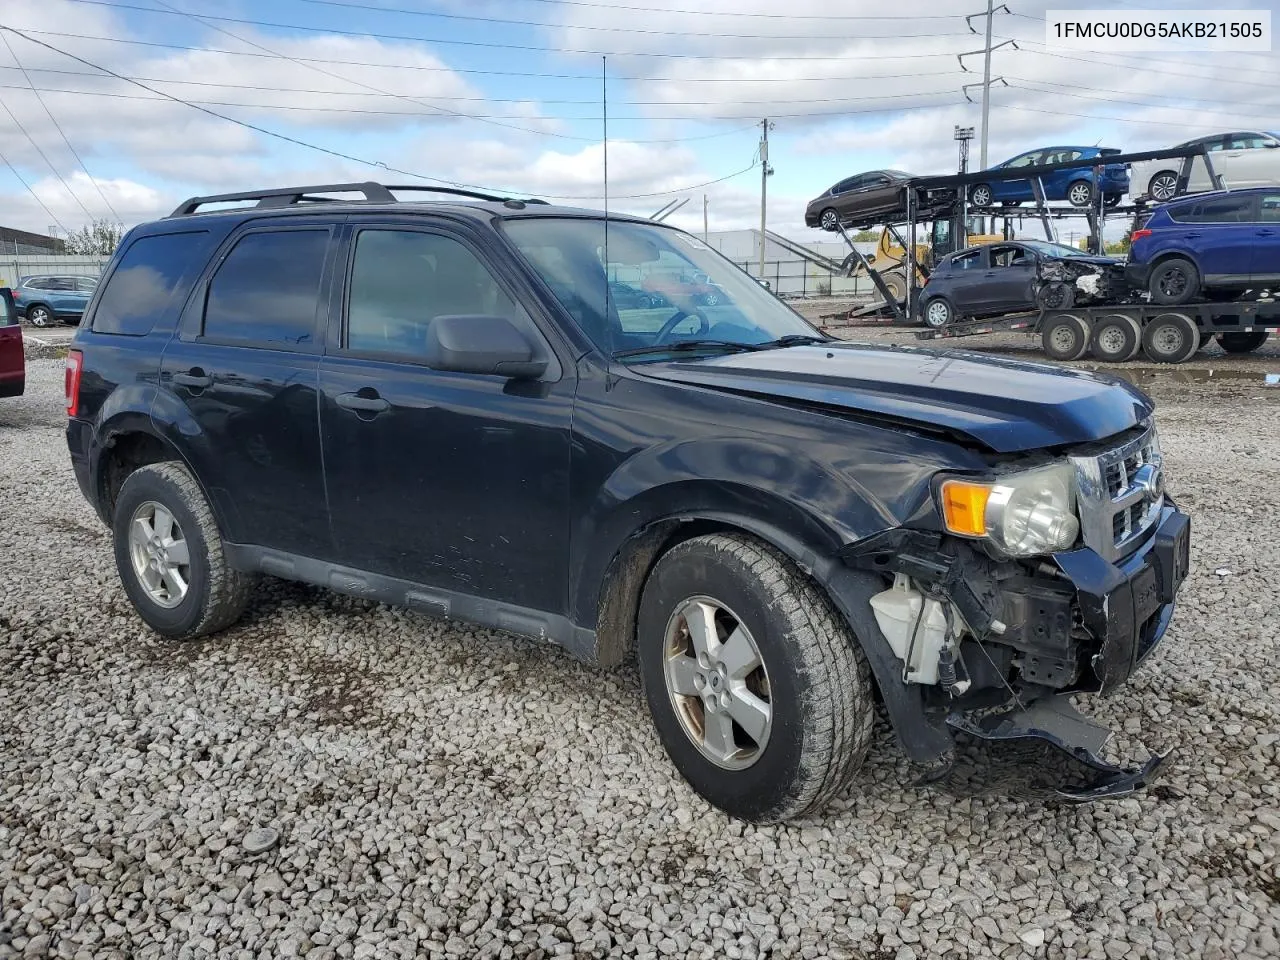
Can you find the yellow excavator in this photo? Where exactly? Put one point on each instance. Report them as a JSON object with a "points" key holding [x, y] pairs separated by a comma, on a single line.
{"points": [[888, 260]]}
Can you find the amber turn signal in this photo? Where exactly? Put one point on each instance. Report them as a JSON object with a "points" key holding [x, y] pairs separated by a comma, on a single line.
{"points": [[964, 507]]}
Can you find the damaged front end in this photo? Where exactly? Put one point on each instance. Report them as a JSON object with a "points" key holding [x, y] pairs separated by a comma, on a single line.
{"points": [[979, 654], [1080, 281]]}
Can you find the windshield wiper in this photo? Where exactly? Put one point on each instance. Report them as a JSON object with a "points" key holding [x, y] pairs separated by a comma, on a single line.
{"points": [[791, 340], [686, 346]]}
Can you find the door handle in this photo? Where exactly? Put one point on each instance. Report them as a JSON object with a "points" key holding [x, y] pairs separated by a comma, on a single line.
{"points": [[353, 401], [1265, 233], [1192, 236], [195, 378]]}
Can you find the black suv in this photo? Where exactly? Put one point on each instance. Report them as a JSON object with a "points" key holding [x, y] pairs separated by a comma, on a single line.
{"points": [[441, 405]]}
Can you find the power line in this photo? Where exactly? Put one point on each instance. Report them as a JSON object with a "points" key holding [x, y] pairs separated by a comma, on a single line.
{"points": [[326, 150], [490, 73], [45, 158], [1180, 99], [344, 93], [333, 76], [500, 21], [409, 113], [704, 13], [34, 195], [58, 126], [489, 45], [1133, 103]]}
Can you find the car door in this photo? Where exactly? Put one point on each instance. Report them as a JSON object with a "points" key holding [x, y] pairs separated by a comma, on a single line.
{"points": [[963, 282], [1219, 233], [1007, 280], [245, 367], [1264, 268], [850, 196], [1250, 160], [457, 481], [881, 194], [1056, 183], [1016, 190]]}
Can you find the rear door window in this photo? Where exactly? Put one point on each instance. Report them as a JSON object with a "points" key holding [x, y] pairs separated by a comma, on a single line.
{"points": [[967, 261], [266, 292], [1269, 207], [1220, 210], [140, 288]]}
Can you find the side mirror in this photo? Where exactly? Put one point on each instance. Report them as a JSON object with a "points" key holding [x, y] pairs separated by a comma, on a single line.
{"points": [[476, 343]]}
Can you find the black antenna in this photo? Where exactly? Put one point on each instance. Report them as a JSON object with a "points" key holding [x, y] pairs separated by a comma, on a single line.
{"points": [[604, 118]]}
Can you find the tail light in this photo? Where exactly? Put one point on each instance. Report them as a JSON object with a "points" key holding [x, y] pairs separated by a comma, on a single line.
{"points": [[1138, 235], [75, 364]]}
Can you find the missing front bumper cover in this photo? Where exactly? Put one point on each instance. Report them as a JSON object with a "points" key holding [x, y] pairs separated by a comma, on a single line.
{"points": [[1047, 749]]}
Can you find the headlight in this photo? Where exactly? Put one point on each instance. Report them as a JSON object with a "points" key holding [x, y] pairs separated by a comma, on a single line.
{"points": [[1023, 514]]}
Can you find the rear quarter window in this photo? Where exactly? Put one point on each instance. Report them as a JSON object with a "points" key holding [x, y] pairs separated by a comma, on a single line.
{"points": [[141, 288]]}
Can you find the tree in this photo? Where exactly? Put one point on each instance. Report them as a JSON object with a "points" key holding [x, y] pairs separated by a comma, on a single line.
{"points": [[866, 236], [99, 238]]}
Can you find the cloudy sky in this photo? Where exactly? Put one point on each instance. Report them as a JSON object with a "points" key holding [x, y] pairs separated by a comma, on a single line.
{"points": [[140, 103]]}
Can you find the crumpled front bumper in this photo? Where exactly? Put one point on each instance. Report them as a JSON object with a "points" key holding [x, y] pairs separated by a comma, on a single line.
{"points": [[1127, 607]]}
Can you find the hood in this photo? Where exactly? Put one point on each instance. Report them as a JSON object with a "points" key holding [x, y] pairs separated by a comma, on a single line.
{"points": [[1005, 405]]}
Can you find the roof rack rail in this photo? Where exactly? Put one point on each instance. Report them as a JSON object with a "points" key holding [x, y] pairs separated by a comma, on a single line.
{"points": [[292, 196]]}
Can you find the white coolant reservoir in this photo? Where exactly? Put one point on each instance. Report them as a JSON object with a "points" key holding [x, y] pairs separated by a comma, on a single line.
{"points": [[898, 610]]}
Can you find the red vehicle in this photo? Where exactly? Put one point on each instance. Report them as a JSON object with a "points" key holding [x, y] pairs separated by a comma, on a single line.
{"points": [[13, 365]]}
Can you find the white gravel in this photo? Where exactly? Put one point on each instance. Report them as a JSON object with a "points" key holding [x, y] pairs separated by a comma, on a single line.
{"points": [[440, 791]]}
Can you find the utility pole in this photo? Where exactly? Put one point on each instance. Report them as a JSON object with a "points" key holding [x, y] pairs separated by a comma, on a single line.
{"points": [[986, 84], [986, 51], [706, 235], [765, 171]]}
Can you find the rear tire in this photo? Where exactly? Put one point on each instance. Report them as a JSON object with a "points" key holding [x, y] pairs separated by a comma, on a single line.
{"points": [[1170, 338], [1080, 193], [1163, 186], [1116, 338], [1065, 337], [213, 595], [1174, 281], [1242, 342], [937, 313], [811, 678]]}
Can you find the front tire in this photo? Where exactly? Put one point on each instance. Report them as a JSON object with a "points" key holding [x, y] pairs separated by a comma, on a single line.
{"points": [[1174, 281], [830, 220], [981, 195], [170, 555], [758, 689], [40, 316], [896, 283]]}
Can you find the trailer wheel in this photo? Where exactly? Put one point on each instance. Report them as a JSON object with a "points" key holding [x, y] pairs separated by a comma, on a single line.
{"points": [[1116, 338], [1242, 342], [1170, 338], [1174, 281], [1065, 337]]}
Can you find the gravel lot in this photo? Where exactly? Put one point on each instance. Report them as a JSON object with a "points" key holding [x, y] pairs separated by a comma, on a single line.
{"points": [[440, 791]]}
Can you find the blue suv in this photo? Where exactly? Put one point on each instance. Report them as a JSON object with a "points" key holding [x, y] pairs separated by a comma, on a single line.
{"points": [[44, 300], [1077, 186], [1212, 245]]}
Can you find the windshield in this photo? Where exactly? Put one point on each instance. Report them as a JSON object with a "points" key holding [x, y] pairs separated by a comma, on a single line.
{"points": [[665, 287], [1053, 249]]}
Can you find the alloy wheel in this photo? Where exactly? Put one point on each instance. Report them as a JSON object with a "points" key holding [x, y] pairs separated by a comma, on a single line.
{"points": [[161, 558], [717, 682], [1163, 186]]}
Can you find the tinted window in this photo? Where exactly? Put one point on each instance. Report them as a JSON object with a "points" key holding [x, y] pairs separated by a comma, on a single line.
{"points": [[268, 289], [1062, 156], [143, 283], [86, 284], [1221, 210], [402, 280], [1010, 257], [844, 186], [39, 284], [1269, 211], [1245, 141], [967, 261]]}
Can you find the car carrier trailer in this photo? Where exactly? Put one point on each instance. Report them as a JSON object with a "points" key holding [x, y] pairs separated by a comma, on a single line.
{"points": [[1114, 333]]}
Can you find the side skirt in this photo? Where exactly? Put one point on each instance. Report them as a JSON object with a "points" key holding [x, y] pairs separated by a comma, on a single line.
{"points": [[435, 601]]}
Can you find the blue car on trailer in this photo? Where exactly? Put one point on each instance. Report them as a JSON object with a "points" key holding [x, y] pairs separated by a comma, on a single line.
{"points": [[1077, 185]]}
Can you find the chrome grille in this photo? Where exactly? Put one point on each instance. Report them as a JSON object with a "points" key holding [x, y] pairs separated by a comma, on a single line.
{"points": [[1120, 492]]}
